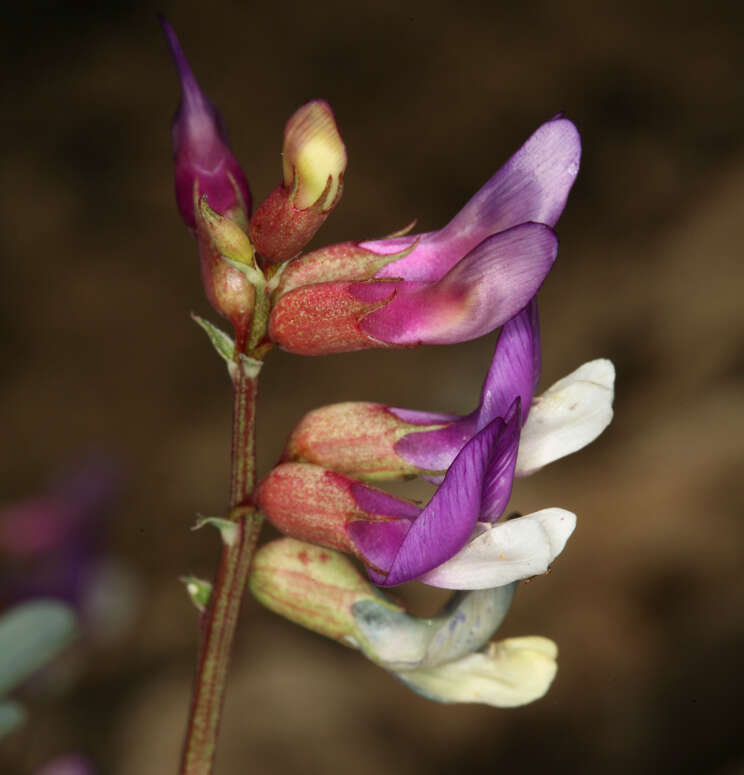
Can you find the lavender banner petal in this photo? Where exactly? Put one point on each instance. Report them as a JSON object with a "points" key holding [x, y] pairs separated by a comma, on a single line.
{"points": [[532, 186]]}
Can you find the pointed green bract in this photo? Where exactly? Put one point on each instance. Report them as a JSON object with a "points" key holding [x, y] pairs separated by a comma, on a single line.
{"points": [[228, 529], [225, 348], [198, 590]]}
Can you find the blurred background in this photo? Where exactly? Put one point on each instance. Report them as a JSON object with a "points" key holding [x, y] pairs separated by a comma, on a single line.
{"points": [[103, 371]]}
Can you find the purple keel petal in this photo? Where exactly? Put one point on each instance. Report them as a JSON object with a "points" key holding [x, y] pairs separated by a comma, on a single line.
{"points": [[447, 522], [500, 474], [489, 286], [515, 367], [378, 502], [532, 186]]}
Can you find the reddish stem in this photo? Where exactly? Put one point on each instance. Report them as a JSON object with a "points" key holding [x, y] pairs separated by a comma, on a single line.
{"points": [[220, 619]]}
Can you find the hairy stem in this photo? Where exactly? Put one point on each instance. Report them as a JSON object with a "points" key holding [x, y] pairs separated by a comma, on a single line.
{"points": [[220, 619]]}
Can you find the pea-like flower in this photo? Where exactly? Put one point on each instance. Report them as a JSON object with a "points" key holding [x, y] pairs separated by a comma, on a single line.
{"points": [[447, 658], [455, 541], [377, 442], [399, 541], [442, 287]]}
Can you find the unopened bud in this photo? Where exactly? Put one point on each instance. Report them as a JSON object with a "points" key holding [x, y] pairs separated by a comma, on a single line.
{"points": [[313, 165], [229, 289], [204, 163], [314, 157], [312, 586], [357, 438]]}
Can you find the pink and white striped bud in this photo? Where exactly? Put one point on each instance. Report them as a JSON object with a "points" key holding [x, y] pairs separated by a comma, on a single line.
{"points": [[313, 165]]}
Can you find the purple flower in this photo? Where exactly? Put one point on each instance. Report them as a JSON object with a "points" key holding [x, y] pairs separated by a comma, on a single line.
{"points": [[399, 541], [441, 287], [204, 162], [377, 442]]}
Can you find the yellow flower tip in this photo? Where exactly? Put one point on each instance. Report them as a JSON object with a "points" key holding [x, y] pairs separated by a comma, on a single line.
{"points": [[314, 156]]}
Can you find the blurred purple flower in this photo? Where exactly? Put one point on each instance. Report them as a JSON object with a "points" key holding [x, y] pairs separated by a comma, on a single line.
{"points": [[51, 544], [69, 764]]}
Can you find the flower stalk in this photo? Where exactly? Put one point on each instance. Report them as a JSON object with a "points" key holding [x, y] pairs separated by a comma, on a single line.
{"points": [[219, 621]]}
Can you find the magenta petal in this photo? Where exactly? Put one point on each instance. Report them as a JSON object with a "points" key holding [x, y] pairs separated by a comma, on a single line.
{"points": [[435, 450], [532, 186], [445, 525], [489, 286], [378, 542], [378, 502], [416, 417], [500, 474]]}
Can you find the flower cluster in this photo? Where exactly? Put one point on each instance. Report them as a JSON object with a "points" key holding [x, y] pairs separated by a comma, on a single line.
{"points": [[479, 273]]}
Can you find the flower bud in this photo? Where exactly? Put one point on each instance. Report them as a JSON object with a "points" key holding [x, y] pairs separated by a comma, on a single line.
{"points": [[229, 290], [313, 504], [313, 165], [358, 438], [314, 587], [204, 164]]}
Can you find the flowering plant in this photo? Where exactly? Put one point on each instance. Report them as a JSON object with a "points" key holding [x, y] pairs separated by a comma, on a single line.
{"points": [[478, 273]]}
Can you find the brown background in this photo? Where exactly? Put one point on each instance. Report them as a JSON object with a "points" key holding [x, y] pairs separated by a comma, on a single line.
{"points": [[98, 277]]}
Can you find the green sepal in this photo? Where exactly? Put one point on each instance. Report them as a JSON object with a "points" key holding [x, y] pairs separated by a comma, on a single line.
{"points": [[225, 347], [221, 342], [255, 276], [227, 527], [199, 591]]}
